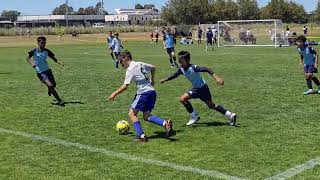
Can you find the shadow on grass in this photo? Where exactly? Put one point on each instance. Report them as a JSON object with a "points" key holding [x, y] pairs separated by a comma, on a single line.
{"points": [[162, 134], [1, 73], [213, 124], [66, 103]]}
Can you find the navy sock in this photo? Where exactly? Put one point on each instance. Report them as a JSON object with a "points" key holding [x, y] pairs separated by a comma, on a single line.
{"points": [[220, 109], [171, 62], [112, 55], [156, 120], [189, 107], [316, 80], [137, 127], [117, 64], [309, 83]]}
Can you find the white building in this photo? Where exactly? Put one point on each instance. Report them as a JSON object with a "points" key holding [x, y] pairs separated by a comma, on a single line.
{"points": [[132, 16]]}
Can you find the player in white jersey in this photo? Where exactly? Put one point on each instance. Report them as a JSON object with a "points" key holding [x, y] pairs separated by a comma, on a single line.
{"points": [[109, 41], [145, 97], [116, 47]]}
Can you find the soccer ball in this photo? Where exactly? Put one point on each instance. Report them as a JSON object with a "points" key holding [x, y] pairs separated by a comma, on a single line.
{"points": [[123, 127]]}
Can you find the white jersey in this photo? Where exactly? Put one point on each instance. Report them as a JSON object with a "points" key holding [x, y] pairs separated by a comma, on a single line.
{"points": [[139, 73], [116, 45], [288, 33], [214, 32]]}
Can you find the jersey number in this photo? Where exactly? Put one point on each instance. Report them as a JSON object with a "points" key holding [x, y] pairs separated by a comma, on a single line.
{"points": [[144, 73]]}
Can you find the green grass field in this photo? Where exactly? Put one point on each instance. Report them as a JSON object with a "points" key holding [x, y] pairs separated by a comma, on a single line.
{"points": [[278, 126]]}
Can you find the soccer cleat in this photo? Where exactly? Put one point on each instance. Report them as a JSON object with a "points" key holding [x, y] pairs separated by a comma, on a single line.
{"points": [[310, 91], [142, 138], [168, 127], [233, 119], [49, 93], [61, 103], [194, 118], [319, 91], [172, 65]]}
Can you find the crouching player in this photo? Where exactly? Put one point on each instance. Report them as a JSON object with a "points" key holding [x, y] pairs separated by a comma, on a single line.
{"points": [[199, 90], [308, 60], [145, 97], [38, 59]]}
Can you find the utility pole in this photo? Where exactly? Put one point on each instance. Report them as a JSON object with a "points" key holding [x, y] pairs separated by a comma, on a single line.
{"points": [[67, 12], [102, 8]]}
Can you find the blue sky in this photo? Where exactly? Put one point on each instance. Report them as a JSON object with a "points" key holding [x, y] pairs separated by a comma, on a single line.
{"points": [[42, 7]]}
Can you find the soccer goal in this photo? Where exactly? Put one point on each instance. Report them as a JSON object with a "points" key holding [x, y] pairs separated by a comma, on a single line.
{"points": [[268, 32]]}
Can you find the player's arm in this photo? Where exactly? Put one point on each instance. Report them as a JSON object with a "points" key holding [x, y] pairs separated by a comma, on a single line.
{"points": [[152, 69], [209, 71], [121, 88], [53, 57], [118, 91], [314, 52], [164, 42], [301, 61], [173, 76], [30, 60]]}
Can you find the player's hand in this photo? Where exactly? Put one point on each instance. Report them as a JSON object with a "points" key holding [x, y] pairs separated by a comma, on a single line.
{"points": [[162, 81], [111, 97], [219, 81], [316, 65], [152, 82]]}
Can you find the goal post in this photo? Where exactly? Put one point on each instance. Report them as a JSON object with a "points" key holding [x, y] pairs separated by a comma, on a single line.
{"points": [[267, 32]]}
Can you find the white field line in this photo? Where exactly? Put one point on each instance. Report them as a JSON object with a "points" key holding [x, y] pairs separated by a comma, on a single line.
{"points": [[297, 170], [209, 173]]}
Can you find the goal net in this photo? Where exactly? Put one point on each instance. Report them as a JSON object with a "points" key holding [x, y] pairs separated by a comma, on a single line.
{"points": [[270, 32]]}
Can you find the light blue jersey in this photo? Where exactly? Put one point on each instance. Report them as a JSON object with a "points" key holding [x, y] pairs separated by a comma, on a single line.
{"points": [[40, 59], [109, 40], [308, 54], [168, 41], [193, 76]]}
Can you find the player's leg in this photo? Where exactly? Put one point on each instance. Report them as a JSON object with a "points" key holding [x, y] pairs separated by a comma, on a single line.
{"points": [[117, 59], [184, 99], [111, 53], [207, 46], [133, 116], [308, 77], [174, 58], [167, 124], [315, 79], [170, 57], [53, 91], [231, 116]]}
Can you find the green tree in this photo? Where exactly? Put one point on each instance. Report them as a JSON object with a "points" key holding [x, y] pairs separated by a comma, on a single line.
{"points": [[248, 9], [61, 10], [81, 11], [10, 15], [295, 13], [224, 10], [317, 12]]}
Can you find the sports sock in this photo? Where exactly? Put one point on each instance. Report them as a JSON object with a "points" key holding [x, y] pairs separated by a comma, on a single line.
{"points": [[189, 107], [316, 80], [156, 120], [137, 127], [171, 62], [55, 94], [112, 55], [117, 64], [309, 83], [220, 109]]}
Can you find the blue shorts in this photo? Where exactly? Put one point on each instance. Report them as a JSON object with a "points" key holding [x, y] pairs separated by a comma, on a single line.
{"points": [[202, 93], [47, 75], [309, 69], [144, 102], [170, 50]]}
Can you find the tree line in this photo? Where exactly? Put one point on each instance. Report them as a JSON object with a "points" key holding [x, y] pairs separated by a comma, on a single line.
{"points": [[211, 11]]}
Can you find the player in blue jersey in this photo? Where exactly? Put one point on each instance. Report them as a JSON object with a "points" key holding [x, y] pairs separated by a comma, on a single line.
{"points": [[109, 41], [145, 97], [308, 60], [117, 47], [38, 59], [199, 88], [209, 36], [168, 43]]}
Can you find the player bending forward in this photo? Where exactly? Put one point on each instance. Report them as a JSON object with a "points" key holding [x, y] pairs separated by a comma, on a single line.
{"points": [[199, 88], [145, 97]]}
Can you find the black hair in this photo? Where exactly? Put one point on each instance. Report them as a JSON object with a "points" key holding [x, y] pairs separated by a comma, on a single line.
{"points": [[301, 38], [184, 55], [41, 38]]}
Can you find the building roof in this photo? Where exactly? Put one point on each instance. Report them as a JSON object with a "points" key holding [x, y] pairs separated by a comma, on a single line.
{"points": [[136, 11]]}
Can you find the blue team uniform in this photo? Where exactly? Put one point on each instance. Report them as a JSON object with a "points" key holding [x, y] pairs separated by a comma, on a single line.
{"points": [[308, 54], [209, 37], [169, 41], [109, 41], [42, 68], [199, 86]]}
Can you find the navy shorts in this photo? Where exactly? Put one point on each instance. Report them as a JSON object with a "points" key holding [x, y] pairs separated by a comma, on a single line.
{"points": [[310, 69], [209, 41], [202, 93], [144, 102], [170, 50], [46, 75]]}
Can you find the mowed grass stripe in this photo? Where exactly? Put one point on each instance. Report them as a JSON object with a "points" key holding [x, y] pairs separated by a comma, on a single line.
{"points": [[210, 173]]}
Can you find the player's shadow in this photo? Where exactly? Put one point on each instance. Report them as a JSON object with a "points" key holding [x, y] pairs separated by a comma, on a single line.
{"points": [[66, 103], [4, 73], [163, 135], [212, 124]]}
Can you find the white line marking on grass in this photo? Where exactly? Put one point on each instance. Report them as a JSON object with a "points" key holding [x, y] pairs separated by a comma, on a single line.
{"points": [[297, 170], [125, 156]]}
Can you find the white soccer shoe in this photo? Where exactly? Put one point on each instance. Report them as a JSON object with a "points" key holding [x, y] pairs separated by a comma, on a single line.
{"points": [[193, 119], [310, 91], [233, 119]]}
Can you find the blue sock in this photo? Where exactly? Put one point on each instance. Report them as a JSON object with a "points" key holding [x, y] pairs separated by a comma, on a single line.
{"points": [[156, 120], [137, 127]]}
